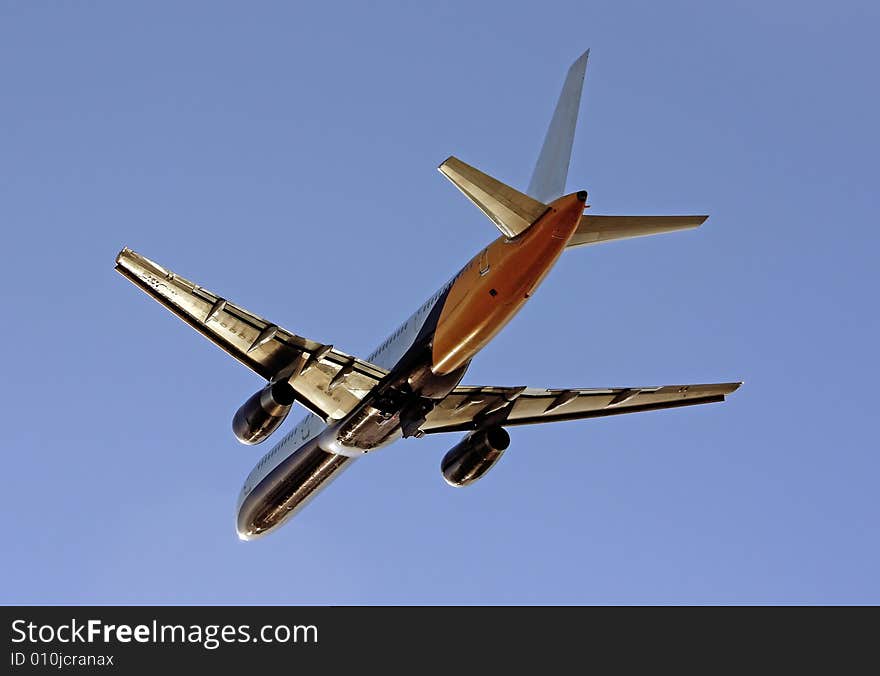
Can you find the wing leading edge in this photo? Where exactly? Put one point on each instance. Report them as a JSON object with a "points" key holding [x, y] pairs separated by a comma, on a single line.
{"points": [[468, 408], [327, 381]]}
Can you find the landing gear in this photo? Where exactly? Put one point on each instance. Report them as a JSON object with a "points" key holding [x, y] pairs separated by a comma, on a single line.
{"points": [[389, 402], [413, 416], [410, 409]]}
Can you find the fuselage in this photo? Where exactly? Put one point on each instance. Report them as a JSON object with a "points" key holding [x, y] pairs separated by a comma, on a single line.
{"points": [[426, 358]]}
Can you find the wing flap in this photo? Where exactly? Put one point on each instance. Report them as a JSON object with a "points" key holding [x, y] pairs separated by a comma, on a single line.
{"points": [[468, 408], [312, 368]]}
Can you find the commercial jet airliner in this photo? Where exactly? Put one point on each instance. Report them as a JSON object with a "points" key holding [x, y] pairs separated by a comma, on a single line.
{"points": [[409, 386]]}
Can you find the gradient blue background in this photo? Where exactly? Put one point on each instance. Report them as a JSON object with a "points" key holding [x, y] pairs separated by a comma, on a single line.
{"points": [[284, 154]]}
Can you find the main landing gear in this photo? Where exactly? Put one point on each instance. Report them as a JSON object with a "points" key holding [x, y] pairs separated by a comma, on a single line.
{"points": [[410, 409]]}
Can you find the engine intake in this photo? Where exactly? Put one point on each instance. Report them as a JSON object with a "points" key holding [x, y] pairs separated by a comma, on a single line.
{"points": [[474, 455], [263, 413]]}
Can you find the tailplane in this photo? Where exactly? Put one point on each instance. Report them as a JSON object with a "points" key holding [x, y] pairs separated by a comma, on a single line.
{"points": [[510, 210], [594, 229]]}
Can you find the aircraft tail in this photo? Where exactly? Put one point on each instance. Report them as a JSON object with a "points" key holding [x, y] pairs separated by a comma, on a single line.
{"points": [[551, 169]]}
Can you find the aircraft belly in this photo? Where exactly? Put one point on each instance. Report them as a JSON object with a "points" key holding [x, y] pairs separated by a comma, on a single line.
{"points": [[287, 488], [366, 430], [495, 285], [396, 409]]}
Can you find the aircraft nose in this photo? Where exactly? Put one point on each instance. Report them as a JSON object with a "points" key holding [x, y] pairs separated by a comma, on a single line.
{"points": [[246, 531], [244, 524], [245, 536], [241, 529]]}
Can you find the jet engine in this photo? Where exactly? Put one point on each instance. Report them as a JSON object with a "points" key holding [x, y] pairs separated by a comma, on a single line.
{"points": [[262, 414], [474, 455]]}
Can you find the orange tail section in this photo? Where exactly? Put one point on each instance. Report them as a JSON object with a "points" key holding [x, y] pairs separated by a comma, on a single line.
{"points": [[498, 281]]}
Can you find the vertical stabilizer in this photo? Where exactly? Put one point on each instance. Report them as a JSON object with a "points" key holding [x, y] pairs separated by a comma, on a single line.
{"points": [[551, 169]]}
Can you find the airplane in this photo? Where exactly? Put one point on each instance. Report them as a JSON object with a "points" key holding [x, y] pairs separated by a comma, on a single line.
{"points": [[410, 385]]}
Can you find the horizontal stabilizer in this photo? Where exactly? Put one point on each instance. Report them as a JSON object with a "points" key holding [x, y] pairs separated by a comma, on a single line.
{"points": [[595, 229], [510, 210]]}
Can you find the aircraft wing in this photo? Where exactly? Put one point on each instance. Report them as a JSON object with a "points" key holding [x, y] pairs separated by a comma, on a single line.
{"points": [[468, 408], [327, 381]]}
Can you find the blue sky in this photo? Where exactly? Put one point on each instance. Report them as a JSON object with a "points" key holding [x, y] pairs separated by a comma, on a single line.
{"points": [[284, 154]]}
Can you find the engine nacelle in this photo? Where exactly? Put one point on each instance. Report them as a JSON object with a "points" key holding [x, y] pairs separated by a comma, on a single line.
{"points": [[263, 413], [474, 455]]}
